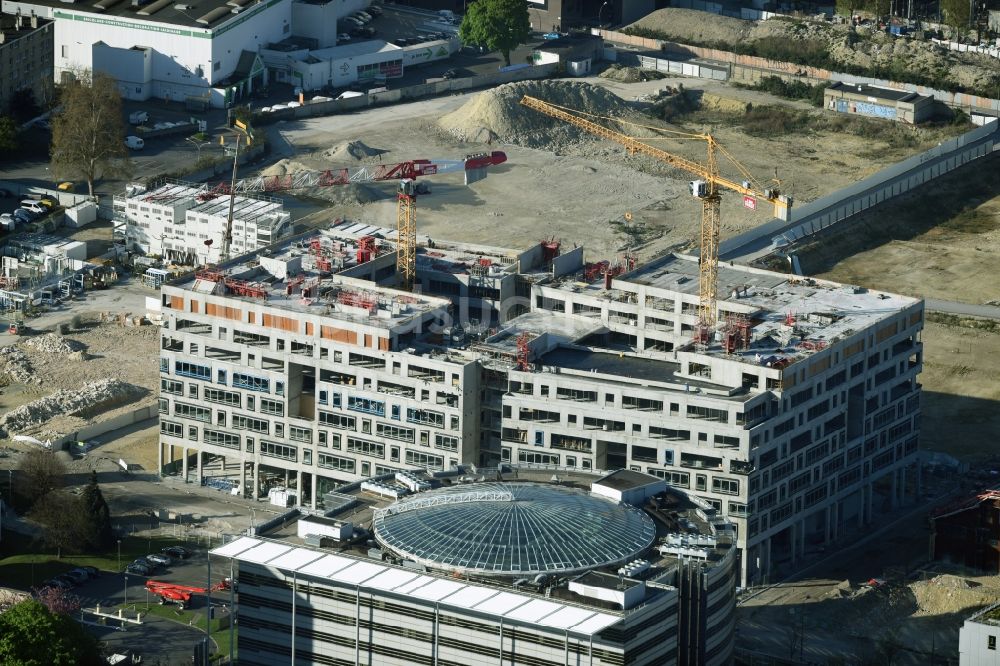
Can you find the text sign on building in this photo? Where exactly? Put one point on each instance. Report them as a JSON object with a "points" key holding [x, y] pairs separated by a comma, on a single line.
{"points": [[749, 202]]}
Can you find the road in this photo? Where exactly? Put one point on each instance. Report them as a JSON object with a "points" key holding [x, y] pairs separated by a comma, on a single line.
{"points": [[964, 309]]}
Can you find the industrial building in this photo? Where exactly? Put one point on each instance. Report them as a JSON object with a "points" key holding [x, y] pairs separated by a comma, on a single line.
{"points": [[862, 99], [977, 638], [968, 532], [797, 418], [38, 268], [25, 57], [507, 571], [185, 224], [204, 52]]}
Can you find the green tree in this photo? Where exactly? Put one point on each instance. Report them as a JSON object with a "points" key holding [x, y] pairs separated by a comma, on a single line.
{"points": [[956, 14], [88, 135], [99, 529], [66, 522], [23, 105], [41, 472], [8, 135], [32, 636], [499, 25]]}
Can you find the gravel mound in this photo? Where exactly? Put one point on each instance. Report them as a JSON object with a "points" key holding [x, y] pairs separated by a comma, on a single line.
{"points": [[341, 195], [631, 74], [691, 24], [284, 167], [53, 343], [91, 397], [351, 151], [15, 366], [497, 115]]}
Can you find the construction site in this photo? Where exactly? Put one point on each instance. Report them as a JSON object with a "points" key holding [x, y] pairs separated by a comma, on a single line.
{"points": [[614, 210]]}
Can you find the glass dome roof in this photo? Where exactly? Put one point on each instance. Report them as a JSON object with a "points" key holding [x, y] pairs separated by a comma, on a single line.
{"points": [[513, 529]]}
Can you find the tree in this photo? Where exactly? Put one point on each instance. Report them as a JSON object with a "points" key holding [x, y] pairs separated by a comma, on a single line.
{"points": [[58, 600], [8, 134], [956, 15], [88, 135], [30, 635], [499, 25], [41, 472], [23, 105], [99, 531], [65, 521]]}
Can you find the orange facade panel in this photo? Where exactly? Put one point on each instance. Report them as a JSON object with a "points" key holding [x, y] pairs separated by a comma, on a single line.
{"points": [[177, 302], [194, 306], [338, 334], [309, 328], [223, 311], [282, 323], [383, 344]]}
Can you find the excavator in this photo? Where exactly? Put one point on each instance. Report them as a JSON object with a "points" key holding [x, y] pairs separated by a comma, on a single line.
{"points": [[172, 593]]}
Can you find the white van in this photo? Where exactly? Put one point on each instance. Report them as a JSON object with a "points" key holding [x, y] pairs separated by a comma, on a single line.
{"points": [[138, 117], [34, 206], [134, 143]]}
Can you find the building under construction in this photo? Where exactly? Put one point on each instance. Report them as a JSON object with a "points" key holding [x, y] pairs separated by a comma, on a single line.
{"points": [[796, 417], [185, 224], [967, 532]]}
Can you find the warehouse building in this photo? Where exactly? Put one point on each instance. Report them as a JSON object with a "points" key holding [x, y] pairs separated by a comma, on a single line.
{"points": [[797, 419], [521, 571], [185, 224], [900, 105]]}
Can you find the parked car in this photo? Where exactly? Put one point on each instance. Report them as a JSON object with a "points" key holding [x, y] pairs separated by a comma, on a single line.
{"points": [[65, 186], [143, 565], [48, 202], [60, 582], [24, 216], [7, 221], [177, 552], [138, 569], [93, 572], [551, 35], [78, 576], [34, 205], [450, 74], [374, 10], [134, 143], [363, 15], [351, 21], [364, 32], [161, 559], [343, 37]]}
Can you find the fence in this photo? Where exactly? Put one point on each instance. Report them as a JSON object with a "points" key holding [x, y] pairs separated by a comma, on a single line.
{"points": [[743, 66], [878, 188], [700, 70]]}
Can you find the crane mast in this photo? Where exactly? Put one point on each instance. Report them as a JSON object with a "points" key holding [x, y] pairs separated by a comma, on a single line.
{"points": [[707, 189], [474, 167]]}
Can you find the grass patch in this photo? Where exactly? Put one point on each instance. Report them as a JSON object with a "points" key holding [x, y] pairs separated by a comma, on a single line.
{"points": [[779, 87], [194, 618], [25, 562], [962, 321]]}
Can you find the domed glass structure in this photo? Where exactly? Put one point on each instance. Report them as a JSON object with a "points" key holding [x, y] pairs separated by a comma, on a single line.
{"points": [[513, 529]]}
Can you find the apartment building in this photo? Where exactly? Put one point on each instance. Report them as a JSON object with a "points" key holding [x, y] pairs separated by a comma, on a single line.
{"points": [[797, 419], [566, 595], [26, 47], [185, 224]]}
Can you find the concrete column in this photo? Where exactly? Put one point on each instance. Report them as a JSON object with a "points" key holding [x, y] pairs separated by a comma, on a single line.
{"points": [[298, 487], [902, 484], [866, 506], [314, 493], [918, 482], [159, 458], [243, 476], [793, 541], [894, 489], [223, 465], [184, 463], [767, 559], [802, 538], [198, 466], [286, 478]]}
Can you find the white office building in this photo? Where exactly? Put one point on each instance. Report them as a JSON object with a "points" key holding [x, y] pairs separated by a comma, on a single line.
{"points": [[185, 224], [798, 419]]}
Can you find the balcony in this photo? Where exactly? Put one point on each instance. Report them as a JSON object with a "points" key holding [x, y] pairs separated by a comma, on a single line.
{"points": [[740, 467], [566, 443], [700, 462]]}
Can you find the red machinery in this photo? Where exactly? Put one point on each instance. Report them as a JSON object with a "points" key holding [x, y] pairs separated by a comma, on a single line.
{"points": [[172, 593], [474, 167]]}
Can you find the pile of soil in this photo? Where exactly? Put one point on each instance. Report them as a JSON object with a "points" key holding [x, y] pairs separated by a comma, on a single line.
{"points": [[497, 114], [340, 195], [631, 74], [351, 151]]}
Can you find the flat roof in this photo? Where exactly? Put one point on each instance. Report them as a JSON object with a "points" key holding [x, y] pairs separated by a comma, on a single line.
{"points": [[624, 479], [607, 581], [278, 275], [451, 594], [879, 93], [609, 363], [8, 24], [197, 14]]}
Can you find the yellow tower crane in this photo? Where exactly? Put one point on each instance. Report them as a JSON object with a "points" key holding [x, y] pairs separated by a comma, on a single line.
{"points": [[705, 188]]}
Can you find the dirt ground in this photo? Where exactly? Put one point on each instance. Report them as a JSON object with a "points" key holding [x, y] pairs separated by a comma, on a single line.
{"points": [[577, 188]]}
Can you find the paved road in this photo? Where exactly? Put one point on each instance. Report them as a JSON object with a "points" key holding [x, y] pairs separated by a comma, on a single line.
{"points": [[967, 309]]}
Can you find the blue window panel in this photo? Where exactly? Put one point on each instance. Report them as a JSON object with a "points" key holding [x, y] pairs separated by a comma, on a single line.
{"points": [[323, 397], [395, 412], [335, 400], [185, 369], [366, 405], [251, 383]]}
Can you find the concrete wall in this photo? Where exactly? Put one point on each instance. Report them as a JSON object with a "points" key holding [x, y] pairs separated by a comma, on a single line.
{"points": [[764, 67], [878, 188], [102, 427]]}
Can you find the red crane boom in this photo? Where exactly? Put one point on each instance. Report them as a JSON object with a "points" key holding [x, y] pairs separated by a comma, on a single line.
{"points": [[181, 594]]}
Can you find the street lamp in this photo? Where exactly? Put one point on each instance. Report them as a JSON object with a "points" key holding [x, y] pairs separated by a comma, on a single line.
{"points": [[253, 517], [125, 603], [119, 554], [601, 11]]}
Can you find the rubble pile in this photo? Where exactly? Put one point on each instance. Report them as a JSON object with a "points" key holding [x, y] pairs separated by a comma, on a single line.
{"points": [[53, 343], [91, 397], [15, 366]]}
